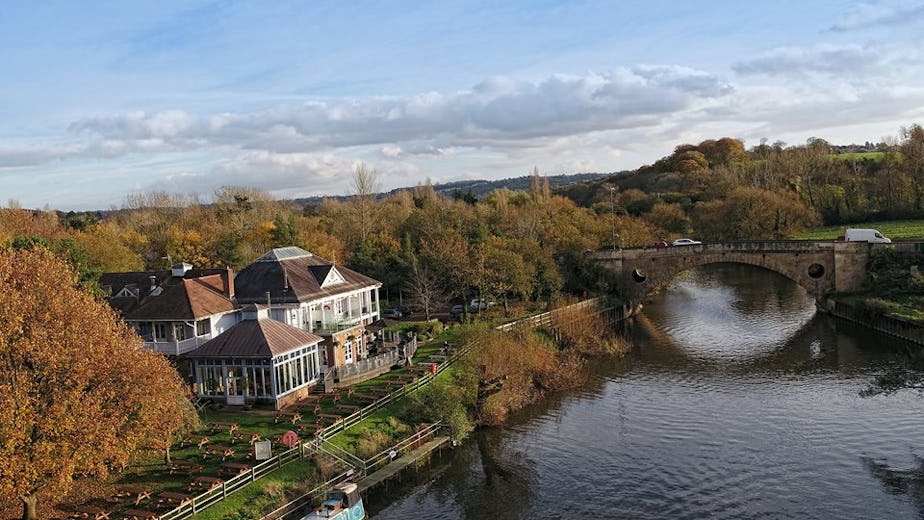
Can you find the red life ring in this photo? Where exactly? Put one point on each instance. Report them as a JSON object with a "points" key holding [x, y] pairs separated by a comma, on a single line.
{"points": [[289, 439]]}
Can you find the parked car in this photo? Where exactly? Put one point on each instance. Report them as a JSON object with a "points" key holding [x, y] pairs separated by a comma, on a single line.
{"points": [[457, 310], [866, 235], [685, 242], [391, 313], [478, 305], [659, 244]]}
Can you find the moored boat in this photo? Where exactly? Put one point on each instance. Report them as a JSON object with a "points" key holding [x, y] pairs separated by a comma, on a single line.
{"points": [[342, 503]]}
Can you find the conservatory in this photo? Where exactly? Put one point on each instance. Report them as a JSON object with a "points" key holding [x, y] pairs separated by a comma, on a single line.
{"points": [[257, 360]]}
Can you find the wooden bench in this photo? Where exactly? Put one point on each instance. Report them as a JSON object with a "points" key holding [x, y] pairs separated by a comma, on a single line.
{"points": [[292, 417], [226, 451], [231, 426], [367, 397], [232, 469], [252, 436], [378, 391], [353, 407], [206, 483], [139, 493], [139, 514], [172, 497], [334, 418], [177, 465], [198, 440], [309, 429], [96, 513]]}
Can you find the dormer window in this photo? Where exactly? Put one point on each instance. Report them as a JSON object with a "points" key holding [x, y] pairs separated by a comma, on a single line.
{"points": [[333, 278]]}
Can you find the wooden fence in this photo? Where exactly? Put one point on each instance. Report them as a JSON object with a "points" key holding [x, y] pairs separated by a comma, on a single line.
{"points": [[312, 447]]}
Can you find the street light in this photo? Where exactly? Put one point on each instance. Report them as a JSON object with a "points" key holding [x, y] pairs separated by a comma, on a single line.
{"points": [[612, 190]]}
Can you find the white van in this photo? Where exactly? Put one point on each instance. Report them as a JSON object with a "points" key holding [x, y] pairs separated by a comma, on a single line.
{"points": [[865, 235]]}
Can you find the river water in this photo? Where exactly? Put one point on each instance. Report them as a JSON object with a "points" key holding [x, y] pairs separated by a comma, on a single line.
{"points": [[737, 401]]}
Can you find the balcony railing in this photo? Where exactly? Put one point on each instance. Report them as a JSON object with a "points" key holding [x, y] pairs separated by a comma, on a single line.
{"points": [[174, 347]]}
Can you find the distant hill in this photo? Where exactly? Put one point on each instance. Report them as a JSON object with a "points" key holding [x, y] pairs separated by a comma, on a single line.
{"points": [[481, 187]]}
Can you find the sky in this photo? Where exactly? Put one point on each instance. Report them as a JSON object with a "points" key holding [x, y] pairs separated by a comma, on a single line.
{"points": [[100, 100]]}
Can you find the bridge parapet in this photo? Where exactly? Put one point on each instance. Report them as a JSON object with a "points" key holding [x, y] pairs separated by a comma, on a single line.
{"points": [[809, 263]]}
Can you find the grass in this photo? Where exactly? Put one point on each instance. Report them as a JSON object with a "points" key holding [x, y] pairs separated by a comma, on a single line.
{"points": [[903, 306], [890, 228], [858, 156], [251, 500]]}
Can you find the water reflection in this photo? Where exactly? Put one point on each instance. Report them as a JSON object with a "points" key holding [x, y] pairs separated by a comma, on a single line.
{"points": [[909, 482], [737, 401]]}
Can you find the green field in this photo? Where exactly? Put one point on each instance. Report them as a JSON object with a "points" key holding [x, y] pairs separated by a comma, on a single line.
{"points": [[890, 228], [859, 156]]}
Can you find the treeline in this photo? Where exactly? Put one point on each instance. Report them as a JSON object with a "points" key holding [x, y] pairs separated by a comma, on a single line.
{"points": [[719, 190], [432, 248]]}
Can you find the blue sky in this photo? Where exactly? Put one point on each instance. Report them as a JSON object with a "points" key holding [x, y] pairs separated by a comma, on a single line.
{"points": [[102, 99]]}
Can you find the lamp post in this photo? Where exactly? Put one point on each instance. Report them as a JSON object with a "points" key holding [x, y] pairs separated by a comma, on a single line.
{"points": [[612, 190]]}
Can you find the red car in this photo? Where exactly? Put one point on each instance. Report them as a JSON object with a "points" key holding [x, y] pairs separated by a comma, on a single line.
{"points": [[659, 244]]}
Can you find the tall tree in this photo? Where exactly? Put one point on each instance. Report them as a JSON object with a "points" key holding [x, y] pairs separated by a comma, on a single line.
{"points": [[365, 189], [77, 392]]}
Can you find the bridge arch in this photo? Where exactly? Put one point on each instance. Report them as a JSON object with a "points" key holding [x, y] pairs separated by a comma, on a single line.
{"points": [[814, 265], [815, 275]]}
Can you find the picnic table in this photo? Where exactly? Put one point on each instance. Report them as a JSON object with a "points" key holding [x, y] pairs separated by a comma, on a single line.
{"points": [[293, 417], [183, 465], [198, 440], [94, 512], [253, 436], [139, 514], [226, 451], [231, 426], [353, 407], [171, 497], [232, 469], [138, 492], [378, 391], [367, 397], [207, 483], [333, 417], [310, 429]]}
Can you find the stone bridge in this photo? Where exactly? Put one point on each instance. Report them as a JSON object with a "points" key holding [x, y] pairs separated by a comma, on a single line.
{"points": [[821, 267]]}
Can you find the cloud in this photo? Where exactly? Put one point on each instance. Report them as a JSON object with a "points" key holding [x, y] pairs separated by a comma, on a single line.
{"points": [[864, 16], [499, 110], [865, 62]]}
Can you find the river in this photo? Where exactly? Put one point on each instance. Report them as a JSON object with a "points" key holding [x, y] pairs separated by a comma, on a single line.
{"points": [[737, 401]]}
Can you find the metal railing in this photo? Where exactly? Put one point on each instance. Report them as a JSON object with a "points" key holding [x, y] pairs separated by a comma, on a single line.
{"points": [[305, 500]]}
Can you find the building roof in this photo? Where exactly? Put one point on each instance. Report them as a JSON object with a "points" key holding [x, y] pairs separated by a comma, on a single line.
{"points": [[195, 296], [262, 339], [293, 275]]}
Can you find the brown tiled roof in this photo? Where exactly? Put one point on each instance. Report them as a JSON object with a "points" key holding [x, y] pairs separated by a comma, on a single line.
{"points": [[195, 296], [264, 338], [293, 275]]}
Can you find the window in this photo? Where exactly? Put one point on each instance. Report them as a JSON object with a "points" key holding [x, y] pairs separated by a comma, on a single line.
{"points": [[203, 327], [160, 331], [348, 352]]}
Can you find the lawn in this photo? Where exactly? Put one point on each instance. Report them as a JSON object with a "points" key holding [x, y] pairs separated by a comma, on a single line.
{"points": [[859, 156], [895, 229]]}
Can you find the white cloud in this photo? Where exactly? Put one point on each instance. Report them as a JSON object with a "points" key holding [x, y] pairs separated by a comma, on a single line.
{"points": [[496, 111], [866, 63], [867, 15]]}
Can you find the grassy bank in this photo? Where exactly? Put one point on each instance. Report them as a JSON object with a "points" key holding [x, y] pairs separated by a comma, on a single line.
{"points": [[890, 228]]}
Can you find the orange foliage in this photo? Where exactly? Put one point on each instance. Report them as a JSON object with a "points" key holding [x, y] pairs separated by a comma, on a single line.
{"points": [[78, 395]]}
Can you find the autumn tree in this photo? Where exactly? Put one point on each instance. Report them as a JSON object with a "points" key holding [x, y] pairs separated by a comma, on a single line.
{"points": [[78, 394]]}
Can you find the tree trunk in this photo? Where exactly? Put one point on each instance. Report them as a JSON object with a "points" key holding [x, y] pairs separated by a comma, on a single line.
{"points": [[167, 460], [28, 507]]}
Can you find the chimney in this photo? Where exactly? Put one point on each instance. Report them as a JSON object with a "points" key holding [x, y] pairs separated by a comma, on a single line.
{"points": [[269, 302], [227, 280], [153, 282]]}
